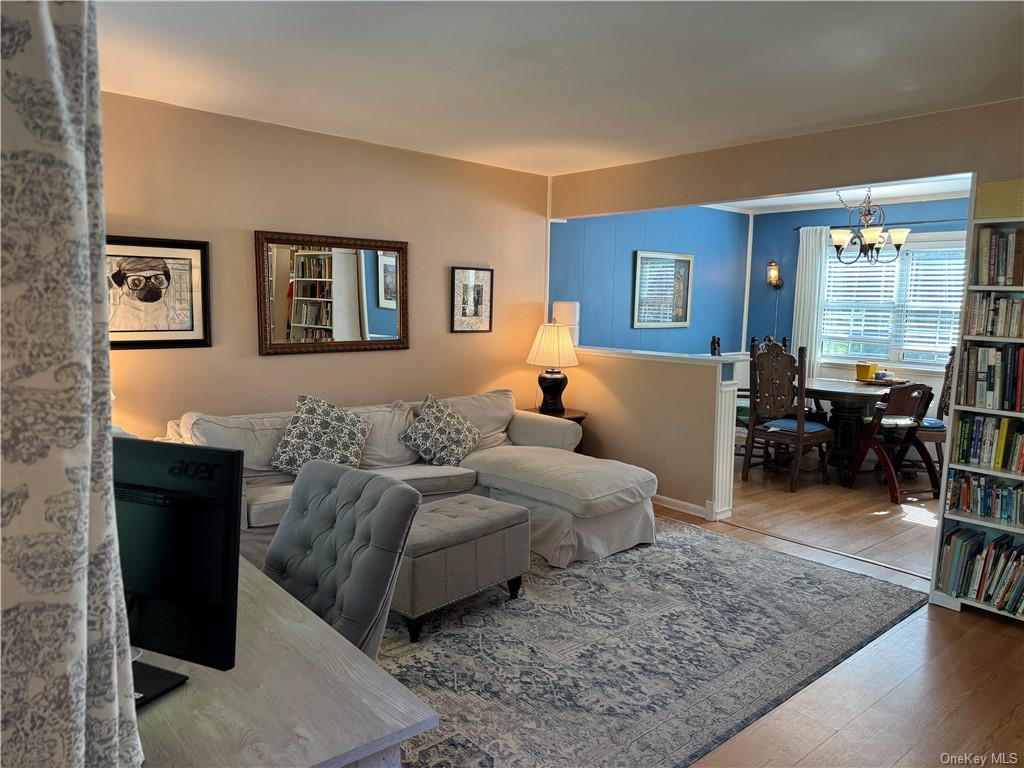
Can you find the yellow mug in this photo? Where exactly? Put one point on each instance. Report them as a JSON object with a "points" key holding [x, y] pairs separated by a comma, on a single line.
{"points": [[866, 370]]}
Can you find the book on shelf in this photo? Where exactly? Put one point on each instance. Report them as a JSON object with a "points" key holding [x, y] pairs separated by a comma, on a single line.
{"points": [[992, 376], [999, 256], [991, 573], [990, 442], [311, 266], [990, 314], [986, 498]]}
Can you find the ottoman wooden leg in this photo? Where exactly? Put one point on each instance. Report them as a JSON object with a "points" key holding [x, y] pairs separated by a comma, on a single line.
{"points": [[415, 627], [513, 587]]}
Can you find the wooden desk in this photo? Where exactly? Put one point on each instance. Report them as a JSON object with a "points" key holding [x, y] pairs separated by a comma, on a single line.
{"points": [[300, 695]]}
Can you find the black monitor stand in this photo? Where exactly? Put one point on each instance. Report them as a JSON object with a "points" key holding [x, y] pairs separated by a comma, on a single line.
{"points": [[153, 682]]}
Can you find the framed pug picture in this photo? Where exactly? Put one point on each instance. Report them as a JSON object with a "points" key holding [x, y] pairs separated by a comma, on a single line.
{"points": [[159, 292], [472, 299]]}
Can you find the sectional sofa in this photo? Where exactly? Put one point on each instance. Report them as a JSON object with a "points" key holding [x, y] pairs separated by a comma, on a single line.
{"points": [[582, 508]]}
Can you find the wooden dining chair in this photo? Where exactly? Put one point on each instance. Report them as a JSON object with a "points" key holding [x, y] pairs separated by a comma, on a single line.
{"points": [[777, 414], [891, 431]]}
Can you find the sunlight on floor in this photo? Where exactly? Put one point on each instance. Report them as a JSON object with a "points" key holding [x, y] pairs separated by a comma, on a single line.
{"points": [[919, 515]]}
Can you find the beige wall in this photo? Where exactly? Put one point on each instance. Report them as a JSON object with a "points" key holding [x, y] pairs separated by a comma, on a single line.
{"points": [[657, 415], [988, 140], [179, 173]]}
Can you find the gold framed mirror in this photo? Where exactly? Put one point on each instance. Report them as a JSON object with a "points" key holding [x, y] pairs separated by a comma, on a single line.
{"points": [[318, 293]]}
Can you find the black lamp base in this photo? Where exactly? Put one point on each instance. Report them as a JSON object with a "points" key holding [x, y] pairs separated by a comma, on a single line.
{"points": [[552, 385]]}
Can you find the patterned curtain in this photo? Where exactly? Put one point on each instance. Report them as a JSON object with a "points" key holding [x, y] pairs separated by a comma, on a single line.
{"points": [[67, 685]]}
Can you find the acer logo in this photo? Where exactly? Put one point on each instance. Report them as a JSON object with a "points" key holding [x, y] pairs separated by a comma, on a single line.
{"points": [[200, 470]]}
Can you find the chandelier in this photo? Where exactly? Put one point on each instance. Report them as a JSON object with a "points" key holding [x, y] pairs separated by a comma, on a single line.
{"points": [[867, 235]]}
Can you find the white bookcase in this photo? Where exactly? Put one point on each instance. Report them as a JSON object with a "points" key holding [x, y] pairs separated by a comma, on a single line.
{"points": [[991, 527]]}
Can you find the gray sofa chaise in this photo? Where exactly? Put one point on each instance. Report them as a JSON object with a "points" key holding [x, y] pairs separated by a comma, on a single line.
{"points": [[582, 508]]}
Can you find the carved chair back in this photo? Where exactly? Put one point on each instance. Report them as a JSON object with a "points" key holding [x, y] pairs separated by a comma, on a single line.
{"points": [[777, 383], [947, 386]]}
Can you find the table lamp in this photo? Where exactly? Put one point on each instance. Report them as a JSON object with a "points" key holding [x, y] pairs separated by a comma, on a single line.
{"points": [[552, 349]]}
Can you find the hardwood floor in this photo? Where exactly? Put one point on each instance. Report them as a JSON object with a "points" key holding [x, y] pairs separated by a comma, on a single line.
{"points": [[857, 521], [940, 682]]}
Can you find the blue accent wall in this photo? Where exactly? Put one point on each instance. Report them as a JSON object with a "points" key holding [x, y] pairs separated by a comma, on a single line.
{"points": [[382, 322], [592, 263], [775, 237]]}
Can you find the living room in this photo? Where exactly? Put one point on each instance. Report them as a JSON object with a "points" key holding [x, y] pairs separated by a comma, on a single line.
{"points": [[296, 345]]}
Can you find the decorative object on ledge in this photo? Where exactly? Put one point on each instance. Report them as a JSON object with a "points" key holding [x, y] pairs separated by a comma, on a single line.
{"points": [[321, 293], [472, 300], [868, 233], [552, 349], [567, 313], [662, 289], [159, 292], [716, 346]]}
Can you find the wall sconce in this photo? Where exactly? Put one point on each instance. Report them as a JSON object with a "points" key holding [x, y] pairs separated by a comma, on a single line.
{"points": [[774, 279]]}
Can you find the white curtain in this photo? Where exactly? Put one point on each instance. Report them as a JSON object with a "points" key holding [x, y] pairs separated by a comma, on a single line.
{"points": [[67, 686], [809, 296]]}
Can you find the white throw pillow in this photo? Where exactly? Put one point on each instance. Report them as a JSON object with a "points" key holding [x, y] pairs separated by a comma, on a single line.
{"points": [[255, 434], [489, 412], [384, 448]]}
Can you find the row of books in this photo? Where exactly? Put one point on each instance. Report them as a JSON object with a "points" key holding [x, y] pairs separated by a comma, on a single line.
{"points": [[312, 313], [321, 290], [985, 497], [993, 376], [989, 314], [1000, 257], [990, 442], [991, 574], [310, 334], [313, 267]]}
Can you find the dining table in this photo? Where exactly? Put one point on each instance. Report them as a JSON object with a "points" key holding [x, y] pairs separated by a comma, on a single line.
{"points": [[851, 401]]}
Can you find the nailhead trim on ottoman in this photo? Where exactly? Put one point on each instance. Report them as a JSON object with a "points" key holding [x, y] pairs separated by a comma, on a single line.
{"points": [[457, 547]]}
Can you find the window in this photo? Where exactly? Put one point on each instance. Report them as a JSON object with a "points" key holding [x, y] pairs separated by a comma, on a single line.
{"points": [[904, 312]]}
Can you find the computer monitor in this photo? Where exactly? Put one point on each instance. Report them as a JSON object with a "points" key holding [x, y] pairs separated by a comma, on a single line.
{"points": [[178, 509]]}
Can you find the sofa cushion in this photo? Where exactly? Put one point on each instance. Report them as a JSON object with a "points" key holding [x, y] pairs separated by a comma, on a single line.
{"points": [[384, 447], [441, 435], [431, 480], [445, 523], [321, 431], [257, 434], [583, 485], [266, 504], [489, 412]]}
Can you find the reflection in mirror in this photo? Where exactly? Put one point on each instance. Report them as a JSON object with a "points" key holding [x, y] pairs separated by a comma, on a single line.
{"points": [[326, 295]]}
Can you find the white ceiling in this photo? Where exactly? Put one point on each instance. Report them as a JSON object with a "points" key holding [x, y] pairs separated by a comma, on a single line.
{"points": [[934, 188], [558, 87]]}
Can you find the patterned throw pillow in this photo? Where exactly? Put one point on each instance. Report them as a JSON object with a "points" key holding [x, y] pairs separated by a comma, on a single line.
{"points": [[441, 435], [319, 430]]}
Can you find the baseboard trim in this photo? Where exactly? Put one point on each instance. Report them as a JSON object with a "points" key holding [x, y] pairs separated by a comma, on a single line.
{"points": [[706, 512]]}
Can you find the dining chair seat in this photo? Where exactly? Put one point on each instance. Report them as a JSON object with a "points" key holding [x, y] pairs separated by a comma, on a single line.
{"points": [[928, 424], [895, 422], [790, 425]]}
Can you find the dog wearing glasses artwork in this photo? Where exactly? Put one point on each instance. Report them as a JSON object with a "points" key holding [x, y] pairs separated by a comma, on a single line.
{"points": [[142, 291]]}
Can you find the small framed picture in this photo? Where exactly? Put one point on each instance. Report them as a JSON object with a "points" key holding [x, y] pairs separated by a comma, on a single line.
{"points": [[387, 280], [662, 284], [472, 299], [159, 292]]}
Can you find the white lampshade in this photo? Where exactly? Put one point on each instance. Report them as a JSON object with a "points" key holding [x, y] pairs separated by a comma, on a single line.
{"points": [[899, 236], [552, 348], [841, 237]]}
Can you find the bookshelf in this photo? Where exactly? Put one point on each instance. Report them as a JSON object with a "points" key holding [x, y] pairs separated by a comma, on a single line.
{"points": [[979, 551], [313, 295]]}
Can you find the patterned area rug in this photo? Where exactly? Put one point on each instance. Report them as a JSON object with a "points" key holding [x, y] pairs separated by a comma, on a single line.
{"points": [[651, 657]]}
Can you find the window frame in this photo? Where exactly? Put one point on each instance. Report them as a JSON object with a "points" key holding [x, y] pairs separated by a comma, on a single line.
{"points": [[896, 345]]}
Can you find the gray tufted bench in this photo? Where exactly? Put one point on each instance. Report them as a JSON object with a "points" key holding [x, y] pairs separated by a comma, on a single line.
{"points": [[457, 547]]}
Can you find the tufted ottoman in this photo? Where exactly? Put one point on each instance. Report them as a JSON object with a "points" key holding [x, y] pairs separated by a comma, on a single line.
{"points": [[457, 547]]}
